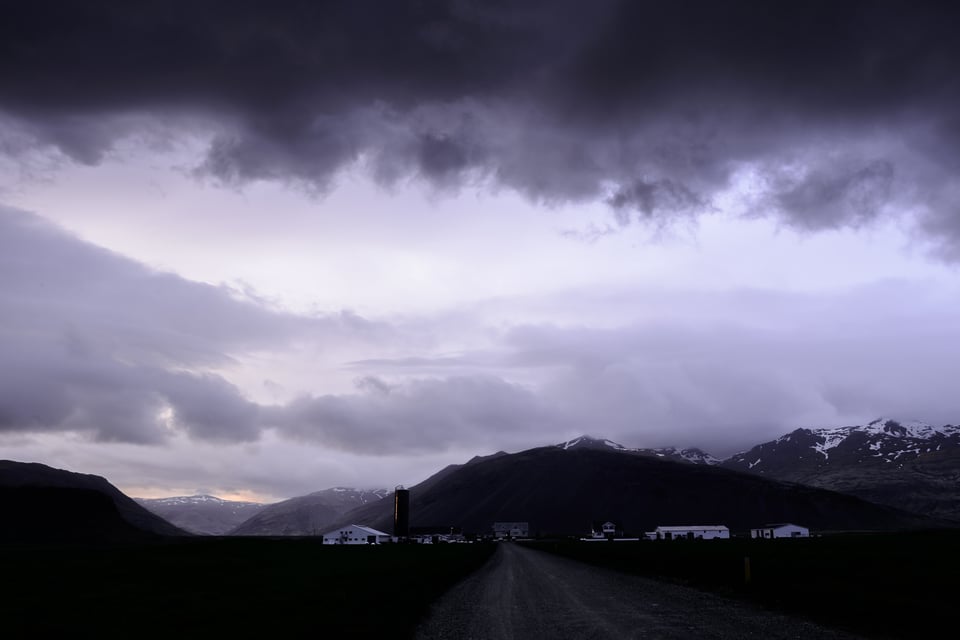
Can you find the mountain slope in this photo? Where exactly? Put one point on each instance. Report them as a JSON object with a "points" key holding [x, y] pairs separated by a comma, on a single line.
{"points": [[562, 491], [57, 489], [205, 515], [306, 515], [908, 465]]}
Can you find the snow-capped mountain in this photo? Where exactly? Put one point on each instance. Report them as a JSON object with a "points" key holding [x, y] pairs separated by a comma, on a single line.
{"points": [[692, 455], [198, 499], [587, 442], [906, 464], [203, 514], [881, 441], [561, 489], [910, 465]]}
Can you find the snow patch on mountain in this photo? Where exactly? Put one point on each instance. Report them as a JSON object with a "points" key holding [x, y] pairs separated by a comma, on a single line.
{"points": [[587, 441], [692, 455], [188, 500], [883, 439]]}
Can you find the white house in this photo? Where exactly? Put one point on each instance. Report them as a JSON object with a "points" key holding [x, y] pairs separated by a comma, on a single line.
{"points": [[691, 532], [782, 530], [502, 530], [604, 530], [355, 534]]}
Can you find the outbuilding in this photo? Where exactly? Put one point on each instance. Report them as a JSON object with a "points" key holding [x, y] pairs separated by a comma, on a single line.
{"points": [[691, 532], [355, 534], [781, 530], [507, 530], [605, 530]]}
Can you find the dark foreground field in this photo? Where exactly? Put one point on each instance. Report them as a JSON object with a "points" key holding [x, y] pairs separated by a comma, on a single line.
{"points": [[225, 587], [878, 585]]}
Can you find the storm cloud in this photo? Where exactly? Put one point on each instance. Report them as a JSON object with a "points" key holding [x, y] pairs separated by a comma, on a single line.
{"points": [[841, 112]]}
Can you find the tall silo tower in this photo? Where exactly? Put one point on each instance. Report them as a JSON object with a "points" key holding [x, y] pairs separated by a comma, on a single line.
{"points": [[401, 512]]}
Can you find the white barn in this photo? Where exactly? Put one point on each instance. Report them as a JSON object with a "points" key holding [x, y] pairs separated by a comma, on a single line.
{"points": [[782, 530], [691, 532], [355, 534]]}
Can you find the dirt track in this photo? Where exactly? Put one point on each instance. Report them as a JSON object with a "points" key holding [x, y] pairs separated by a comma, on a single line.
{"points": [[522, 593]]}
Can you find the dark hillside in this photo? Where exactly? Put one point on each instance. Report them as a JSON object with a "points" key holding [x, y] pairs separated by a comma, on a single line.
{"points": [[562, 491], [31, 475]]}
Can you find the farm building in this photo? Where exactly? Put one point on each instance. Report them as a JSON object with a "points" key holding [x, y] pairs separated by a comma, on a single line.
{"points": [[503, 530], [606, 530], [355, 534], [690, 532], [782, 530]]}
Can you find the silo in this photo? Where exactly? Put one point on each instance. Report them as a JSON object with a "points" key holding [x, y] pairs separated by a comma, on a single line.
{"points": [[401, 512]]}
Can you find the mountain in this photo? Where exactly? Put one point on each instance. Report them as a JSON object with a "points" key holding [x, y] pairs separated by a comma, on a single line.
{"points": [[692, 455], [202, 514], [561, 490], [908, 465], [38, 501], [306, 515]]}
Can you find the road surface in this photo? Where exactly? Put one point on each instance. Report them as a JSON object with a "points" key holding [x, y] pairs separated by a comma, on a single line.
{"points": [[527, 594]]}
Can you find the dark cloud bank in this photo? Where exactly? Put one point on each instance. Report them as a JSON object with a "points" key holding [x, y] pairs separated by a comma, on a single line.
{"points": [[846, 111]]}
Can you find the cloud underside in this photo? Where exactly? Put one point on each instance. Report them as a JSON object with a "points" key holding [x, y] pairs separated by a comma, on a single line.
{"points": [[821, 115], [96, 344]]}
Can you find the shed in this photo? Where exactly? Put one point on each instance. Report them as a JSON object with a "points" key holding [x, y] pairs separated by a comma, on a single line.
{"points": [[780, 530]]}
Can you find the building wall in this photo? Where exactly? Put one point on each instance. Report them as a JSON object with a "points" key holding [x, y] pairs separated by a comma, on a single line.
{"points": [[511, 529], [350, 535], [697, 534], [785, 531]]}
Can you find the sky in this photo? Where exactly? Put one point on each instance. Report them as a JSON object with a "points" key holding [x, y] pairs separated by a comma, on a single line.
{"points": [[259, 250]]}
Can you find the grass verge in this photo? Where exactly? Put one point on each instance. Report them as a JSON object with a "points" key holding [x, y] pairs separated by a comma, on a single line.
{"points": [[902, 585], [222, 587]]}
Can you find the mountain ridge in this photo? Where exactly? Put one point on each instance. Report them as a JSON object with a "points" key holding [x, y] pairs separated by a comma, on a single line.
{"points": [[306, 515], [202, 514], [908, 465], [60, 488], [561, 491]]}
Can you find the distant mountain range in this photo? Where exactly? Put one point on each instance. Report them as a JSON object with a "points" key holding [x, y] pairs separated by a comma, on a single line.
{"points": [[815, 477], [307, 515], [42, 503], [202, 514], [909, 465]]}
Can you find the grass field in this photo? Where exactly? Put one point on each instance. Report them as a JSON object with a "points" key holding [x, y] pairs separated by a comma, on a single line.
{"points": [[225, 587], [880, 585]]}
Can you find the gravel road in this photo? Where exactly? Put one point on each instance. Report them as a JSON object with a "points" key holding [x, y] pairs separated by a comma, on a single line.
{"points": [[523, 593]]}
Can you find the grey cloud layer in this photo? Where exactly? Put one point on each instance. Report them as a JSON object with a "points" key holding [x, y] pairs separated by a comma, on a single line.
{"points": [[727, 370], [98, 344], [94, 342], [422, 415], [650, 106]]}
